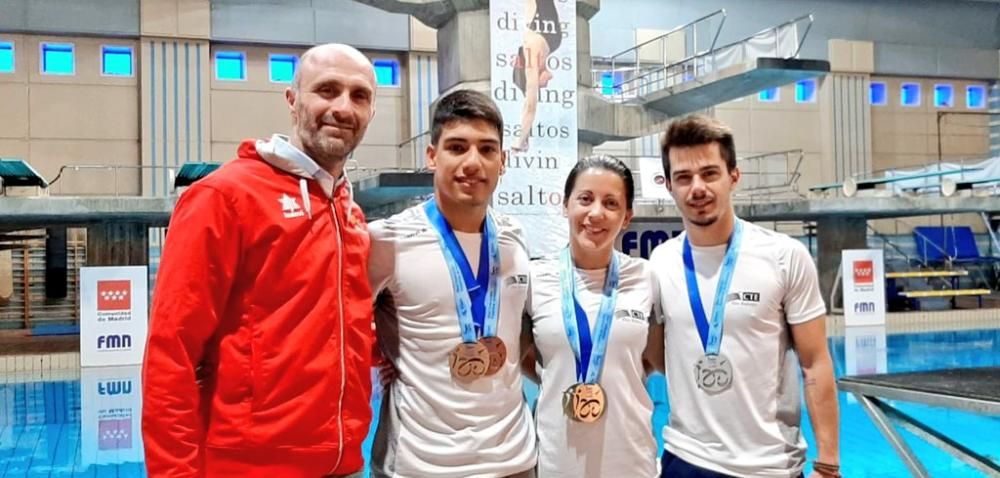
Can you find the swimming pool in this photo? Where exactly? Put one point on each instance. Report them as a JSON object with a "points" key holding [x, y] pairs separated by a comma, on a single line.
{"points": [[86, 424]]}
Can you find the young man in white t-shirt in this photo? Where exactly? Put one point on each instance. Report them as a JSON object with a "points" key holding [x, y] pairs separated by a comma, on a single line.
{"points": [[732, 375], [455, 408]]}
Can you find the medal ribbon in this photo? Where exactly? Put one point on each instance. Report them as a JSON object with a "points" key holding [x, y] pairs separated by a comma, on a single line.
{"points": [[589, 352], [477, 298], [711, 333]]}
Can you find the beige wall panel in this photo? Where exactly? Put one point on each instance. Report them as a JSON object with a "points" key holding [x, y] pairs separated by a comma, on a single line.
{"points": [[194, 18], [84, 112], [739, 121], [14, 119], [386, 128], [900, 144], [158, 17], [422, 37], [50, 155], [223, 151], [376, 156], [778, 130], [15, 148], [244, 114]]}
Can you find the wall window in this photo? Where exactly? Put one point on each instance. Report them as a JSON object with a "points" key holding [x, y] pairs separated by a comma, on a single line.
{"points": [[230, 65], [6, 57], [282, 67], [975, 96], [909, 94], [116, 60], [57, 59], [769, 95], [877, 94], [805, 91], [611, 82], [944, 96], [387, 72]]}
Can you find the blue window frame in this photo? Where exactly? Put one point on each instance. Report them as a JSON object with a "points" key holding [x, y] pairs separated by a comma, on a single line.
{"points": [[805, 91], [58, 59], [909, 94], [975, 96], [944, 96], [6, 57], [878, 95], [282, 67], [611, 82], [769, 95], [230, 65], [116, 60], [387, 72]]}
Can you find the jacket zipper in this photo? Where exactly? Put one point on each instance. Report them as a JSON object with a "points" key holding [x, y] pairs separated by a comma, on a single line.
{"points": [[340, 303]]}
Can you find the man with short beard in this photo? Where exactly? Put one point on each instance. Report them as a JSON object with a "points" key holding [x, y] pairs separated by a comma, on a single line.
{"points": [[739, 302], [259, 352]]}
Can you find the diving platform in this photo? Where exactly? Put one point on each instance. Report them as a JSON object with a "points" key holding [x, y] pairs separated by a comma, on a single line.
{"points": [[975, 390], [731, 83]]}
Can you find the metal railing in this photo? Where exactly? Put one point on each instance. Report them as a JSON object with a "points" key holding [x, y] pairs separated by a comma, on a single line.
{"points": [[410, 153], [134, 184], [635, 61], [781, 41], [770, 171]]}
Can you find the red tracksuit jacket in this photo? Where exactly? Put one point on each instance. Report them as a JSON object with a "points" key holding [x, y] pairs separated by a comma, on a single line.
{"points": [[259, 352]]}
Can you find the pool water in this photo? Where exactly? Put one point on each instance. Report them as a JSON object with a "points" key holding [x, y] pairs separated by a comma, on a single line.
{"points": [[89, 425]]}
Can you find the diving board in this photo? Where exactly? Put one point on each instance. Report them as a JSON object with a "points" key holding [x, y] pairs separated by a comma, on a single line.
{"points": [[851, 186], [975, 390], [950, 186]]}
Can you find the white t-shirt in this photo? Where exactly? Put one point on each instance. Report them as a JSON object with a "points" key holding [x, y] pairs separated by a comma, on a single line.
{"points": [[430, 424], [751, 429], [621, 442]]}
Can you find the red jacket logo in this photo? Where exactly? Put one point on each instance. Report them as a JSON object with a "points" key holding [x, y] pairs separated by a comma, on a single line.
{"points": [[114, 295], [864, 272]]}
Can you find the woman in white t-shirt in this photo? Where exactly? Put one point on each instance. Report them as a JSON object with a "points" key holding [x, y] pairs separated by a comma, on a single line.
{"points": [[593, 417]]}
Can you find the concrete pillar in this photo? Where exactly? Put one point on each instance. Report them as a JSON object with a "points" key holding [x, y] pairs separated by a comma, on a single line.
{"points": [[834, 234], [118, 244]]}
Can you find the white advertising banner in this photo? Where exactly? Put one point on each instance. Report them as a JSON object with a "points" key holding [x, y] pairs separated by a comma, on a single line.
{"points": [[652, 180], [110, 415], [533, 81], [641, 238], [114, 312], [863, 273]]}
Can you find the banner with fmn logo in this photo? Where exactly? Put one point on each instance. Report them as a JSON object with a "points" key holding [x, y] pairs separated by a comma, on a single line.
{"points": [[114, 313], [863, 275], [111, 415]]}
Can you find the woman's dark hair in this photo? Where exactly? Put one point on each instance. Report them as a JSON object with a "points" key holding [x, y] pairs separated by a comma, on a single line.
{"points": [[607, 163]]}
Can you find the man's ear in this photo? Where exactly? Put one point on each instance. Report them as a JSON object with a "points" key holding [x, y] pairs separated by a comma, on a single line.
{"points": [[430, 155]]}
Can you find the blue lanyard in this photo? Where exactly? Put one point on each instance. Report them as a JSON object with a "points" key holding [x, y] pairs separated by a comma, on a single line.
{"points": [[477, 298], [711, 334], [589, 356]]}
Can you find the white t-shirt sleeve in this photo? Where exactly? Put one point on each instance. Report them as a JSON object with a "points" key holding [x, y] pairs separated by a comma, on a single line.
{"points": [[381, 258], [656, 312], [802, 300]]}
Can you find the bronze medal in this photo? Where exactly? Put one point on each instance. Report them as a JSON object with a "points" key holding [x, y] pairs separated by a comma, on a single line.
{"points": [[468, 361], [584, 402], [497, 351]]}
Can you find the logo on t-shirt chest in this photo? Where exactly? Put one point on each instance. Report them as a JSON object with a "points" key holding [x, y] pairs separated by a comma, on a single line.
{"points": [[746, 298]]}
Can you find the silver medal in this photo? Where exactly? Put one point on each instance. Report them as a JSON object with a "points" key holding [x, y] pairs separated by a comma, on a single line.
{"points": [[713, 373]]}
